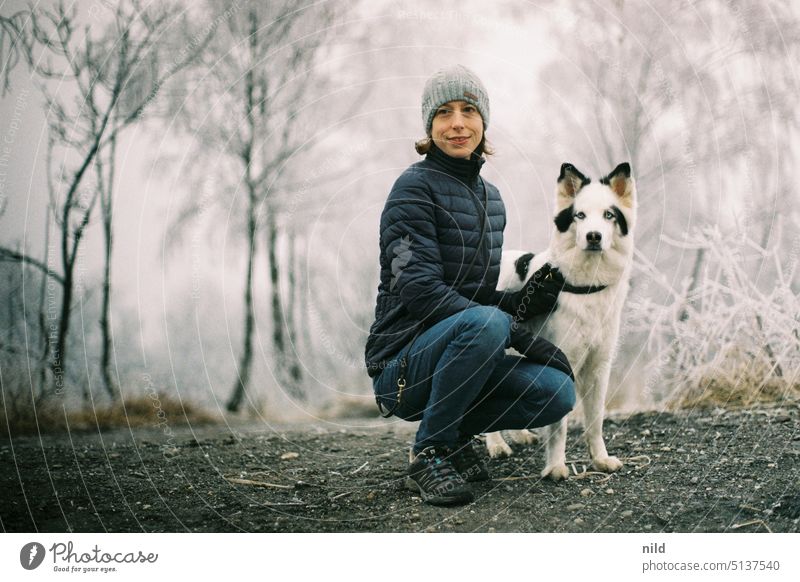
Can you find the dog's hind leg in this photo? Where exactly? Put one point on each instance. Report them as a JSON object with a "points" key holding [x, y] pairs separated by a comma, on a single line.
{"points": [[523, 436], [556, 450], [593, 396], [496, 446]]}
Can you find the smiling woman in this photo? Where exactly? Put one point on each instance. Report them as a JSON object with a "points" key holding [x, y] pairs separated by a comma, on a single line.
{"points": [[457, 128]]}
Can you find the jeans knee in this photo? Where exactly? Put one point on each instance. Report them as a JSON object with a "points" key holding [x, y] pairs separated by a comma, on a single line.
{"points": [[491, 323], [563, 394]]}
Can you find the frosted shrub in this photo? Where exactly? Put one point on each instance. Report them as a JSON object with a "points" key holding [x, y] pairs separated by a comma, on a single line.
{"points": [[732, 337]]}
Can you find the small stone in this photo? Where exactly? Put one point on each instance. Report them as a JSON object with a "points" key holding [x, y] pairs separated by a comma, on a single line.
{"points": [[430, 529], [587, 492], [694, 480], [609, 491], [287, 456], [575, 507], [370, 496], [646, 432], [578, 521], [146, 506], [492, 530], [626, 513]]}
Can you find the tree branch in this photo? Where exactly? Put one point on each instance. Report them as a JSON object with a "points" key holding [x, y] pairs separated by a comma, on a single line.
{"points": [[9, 255]]}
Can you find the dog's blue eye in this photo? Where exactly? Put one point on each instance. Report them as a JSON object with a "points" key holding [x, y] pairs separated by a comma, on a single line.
{"points": [[609, 215], [580, 215]]}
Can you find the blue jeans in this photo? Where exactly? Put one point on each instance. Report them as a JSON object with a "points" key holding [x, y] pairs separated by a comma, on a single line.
{"points": [[460, 382]]}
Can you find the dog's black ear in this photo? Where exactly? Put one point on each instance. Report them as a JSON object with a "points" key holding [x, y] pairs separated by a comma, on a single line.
{"points": [[564, 218], [621, 183], [571, 180]]}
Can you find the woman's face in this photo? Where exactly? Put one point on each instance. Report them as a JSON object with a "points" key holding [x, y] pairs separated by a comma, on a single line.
{"points": [[457, 128]]}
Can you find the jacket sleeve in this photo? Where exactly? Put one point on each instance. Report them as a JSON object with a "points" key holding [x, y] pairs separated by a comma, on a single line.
{"points": [[411, 247], [503, 300]]}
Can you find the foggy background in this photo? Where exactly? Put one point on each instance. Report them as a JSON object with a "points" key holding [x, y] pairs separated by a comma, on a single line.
{"points": [[269, 135]]}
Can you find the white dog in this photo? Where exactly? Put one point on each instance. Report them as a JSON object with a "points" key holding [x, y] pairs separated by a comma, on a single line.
{"points": [[592, 247]]}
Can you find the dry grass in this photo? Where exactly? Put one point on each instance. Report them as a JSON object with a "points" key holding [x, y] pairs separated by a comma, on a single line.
{"points": [[52, 417], [738, 385]]}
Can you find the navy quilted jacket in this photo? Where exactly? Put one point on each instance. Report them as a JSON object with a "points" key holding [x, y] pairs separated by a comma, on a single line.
{"points": [[430, 228]]}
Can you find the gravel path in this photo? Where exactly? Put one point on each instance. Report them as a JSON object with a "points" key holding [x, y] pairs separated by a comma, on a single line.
{"points": [[702, 471]]}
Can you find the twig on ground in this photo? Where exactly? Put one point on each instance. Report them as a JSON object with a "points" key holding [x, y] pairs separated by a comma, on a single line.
{"points": [[752, 522], [239, 481]]}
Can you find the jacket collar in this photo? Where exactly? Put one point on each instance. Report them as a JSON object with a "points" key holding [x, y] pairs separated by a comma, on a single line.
{"points": [[465, 169]]}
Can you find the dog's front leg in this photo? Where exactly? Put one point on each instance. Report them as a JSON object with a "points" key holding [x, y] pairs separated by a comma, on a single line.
{"points": [[496, 446], [593, 397], [556, 450]]}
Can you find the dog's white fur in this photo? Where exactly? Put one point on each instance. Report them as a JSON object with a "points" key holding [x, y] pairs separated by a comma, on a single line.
{"points": [[585, 327]]}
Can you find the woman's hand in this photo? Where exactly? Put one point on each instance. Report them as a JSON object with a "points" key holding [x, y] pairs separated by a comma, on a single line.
{"points": [[539, 295], [539, 351]]}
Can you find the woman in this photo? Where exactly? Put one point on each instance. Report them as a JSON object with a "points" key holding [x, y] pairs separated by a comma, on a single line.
{"points": [[436, 351]]}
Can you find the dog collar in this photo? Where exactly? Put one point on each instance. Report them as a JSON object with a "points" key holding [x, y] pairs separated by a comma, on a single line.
{"points": [[582, 289], [579, 289]]}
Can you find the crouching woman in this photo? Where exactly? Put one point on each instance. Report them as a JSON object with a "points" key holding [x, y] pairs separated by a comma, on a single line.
{"points": [[436, 350]]}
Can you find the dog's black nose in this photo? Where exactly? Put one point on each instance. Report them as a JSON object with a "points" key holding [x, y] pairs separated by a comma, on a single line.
{"points": [[594, 237]]}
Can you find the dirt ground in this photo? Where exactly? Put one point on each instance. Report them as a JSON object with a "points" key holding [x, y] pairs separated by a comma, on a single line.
{"points": [[705, 471]]}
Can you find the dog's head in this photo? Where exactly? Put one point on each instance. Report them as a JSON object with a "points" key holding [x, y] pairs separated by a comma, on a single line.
{"points": [[596, 214]]}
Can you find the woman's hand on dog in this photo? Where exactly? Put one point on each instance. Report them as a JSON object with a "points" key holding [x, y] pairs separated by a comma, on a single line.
{"points": [[540, 351], [539, 295]]}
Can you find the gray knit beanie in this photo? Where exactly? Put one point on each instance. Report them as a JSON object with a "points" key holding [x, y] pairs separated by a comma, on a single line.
{"points": [[456, 83]]}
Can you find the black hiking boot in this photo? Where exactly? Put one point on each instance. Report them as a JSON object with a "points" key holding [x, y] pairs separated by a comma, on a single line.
{"points": [[437, 480], [468, 461]]}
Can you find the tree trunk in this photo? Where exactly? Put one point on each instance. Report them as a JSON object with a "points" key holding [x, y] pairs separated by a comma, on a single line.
{"points": [[243, 375], [295, 371], [282, 368], [243, 371], [278, 341], [44, 327], [698, 264], [58, 364], [107, 190]]}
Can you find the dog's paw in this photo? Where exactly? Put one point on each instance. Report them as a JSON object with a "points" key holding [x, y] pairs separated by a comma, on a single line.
{"points": [[607, 464], [555, 472], [499, 449], [524, 437]]}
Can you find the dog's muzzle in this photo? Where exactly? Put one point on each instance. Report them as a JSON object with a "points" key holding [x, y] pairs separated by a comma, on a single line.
{"points": [[593, 241]]}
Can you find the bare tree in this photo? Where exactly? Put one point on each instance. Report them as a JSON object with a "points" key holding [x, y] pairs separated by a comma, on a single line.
{"points": [[112, 78], [260, 69]]}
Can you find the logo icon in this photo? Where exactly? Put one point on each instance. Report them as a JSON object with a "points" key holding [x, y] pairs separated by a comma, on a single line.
{"points": [[31, 555], [402, 255]]}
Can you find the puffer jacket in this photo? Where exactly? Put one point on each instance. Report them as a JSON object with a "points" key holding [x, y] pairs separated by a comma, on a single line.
{"points": [[429, 234]]}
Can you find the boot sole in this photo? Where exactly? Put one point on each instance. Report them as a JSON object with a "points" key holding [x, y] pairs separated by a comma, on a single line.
{"points": [[454, 499]]}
